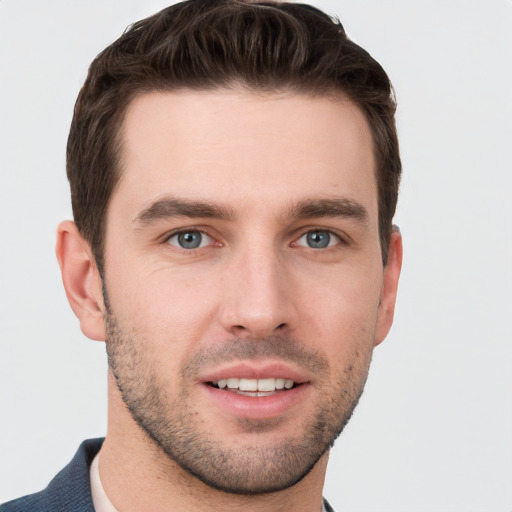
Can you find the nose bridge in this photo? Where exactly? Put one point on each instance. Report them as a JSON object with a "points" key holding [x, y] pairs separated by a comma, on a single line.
{"points": [[257, 300]]}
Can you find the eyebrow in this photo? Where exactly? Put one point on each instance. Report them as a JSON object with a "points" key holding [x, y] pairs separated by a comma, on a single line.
{"points": [[333, 207], [169, 207]]}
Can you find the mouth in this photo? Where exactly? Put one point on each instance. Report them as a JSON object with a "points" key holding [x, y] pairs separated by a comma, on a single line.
{"points": [[255, 387], [257, 391]]}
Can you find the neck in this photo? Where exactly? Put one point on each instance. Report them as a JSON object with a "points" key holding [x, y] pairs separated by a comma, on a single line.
{"points": [[136, 473]]}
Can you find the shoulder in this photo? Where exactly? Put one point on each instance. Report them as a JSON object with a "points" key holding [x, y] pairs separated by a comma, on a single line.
{"points": [[69, 491]]}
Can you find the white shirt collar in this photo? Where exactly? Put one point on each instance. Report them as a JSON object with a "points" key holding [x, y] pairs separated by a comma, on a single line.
{"points": [[99, 497]]}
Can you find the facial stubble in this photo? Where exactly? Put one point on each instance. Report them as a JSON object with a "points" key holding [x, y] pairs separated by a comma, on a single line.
{"points": [[173, 424]]}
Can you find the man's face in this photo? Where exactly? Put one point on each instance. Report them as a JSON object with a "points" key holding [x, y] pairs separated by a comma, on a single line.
{"points": [[244, 276]]}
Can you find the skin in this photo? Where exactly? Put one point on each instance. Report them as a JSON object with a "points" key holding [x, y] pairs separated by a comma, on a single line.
{"points": [[277, 166]]}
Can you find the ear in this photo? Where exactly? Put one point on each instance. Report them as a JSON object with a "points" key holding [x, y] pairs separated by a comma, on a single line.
{"points": [[81, 279], [389, 286]]}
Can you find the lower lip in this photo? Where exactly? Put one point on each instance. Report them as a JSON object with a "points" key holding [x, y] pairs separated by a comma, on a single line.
{"points": [[262, 407]]}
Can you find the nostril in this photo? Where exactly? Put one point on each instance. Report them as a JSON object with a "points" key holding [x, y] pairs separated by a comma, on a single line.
{"points": [[239, 329]]}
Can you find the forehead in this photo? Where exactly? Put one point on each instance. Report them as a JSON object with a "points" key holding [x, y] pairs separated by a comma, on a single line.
{"points": [[243, 147]]}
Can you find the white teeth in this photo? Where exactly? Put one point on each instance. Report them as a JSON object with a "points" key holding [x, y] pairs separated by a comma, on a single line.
{"points": [[233, 383], [279, 383], [266, 385], [248, 385]]}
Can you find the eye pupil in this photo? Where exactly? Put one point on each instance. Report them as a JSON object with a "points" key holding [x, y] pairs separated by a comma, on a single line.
{"points": [[190, 239], [318, 239]]}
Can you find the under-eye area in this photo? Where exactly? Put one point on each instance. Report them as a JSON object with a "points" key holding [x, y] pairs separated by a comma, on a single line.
{"points": [[255, 387]]}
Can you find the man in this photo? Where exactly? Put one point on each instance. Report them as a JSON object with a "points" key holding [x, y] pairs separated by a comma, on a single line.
{"points": [[234, 172]]}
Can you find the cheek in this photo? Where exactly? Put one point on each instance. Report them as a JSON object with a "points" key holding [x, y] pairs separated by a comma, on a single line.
{"points": [[341, 319], [164, 307], [344, 301]]}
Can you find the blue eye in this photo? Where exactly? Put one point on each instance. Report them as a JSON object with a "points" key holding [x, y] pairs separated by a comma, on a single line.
{"points": [[192, 239], [318, 239]]}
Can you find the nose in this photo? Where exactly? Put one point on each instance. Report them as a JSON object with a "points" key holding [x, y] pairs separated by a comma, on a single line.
{"points": [[258, 298]]}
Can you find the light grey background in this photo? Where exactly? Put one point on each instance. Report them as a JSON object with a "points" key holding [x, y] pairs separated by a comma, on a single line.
{"points": [[433, 431]]}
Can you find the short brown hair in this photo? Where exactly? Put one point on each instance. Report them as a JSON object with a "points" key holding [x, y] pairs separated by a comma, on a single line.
{"points": [[204, 44]]}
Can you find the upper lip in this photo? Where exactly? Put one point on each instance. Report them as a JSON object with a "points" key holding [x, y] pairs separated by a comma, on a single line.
{"points": [[252, 370]]}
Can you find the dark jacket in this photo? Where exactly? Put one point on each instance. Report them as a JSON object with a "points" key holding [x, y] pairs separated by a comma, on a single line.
{"points": [[69, 491]]}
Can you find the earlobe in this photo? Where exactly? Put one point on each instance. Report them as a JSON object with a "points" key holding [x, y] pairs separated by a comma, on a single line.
{"points": [[390, 286], [81, 280]]}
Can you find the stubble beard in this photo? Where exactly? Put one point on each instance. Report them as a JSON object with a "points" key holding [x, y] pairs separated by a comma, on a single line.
{"points": [[176, 428]]}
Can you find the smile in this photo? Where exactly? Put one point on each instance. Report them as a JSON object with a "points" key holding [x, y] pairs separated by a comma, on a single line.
{"points": [[254, 387]]}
